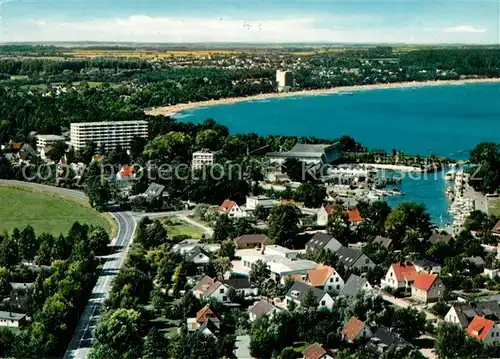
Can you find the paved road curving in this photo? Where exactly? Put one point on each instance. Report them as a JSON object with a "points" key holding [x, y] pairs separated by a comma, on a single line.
{"points": [[82, 338]]}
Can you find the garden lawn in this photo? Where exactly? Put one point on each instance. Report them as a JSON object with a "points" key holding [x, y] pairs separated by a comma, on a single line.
{"points": [[46, 212], [179, 227]]}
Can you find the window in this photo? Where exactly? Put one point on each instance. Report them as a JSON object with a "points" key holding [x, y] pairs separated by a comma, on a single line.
{"points": [[323, 302], [331, 280], [336, 279], [329, 287], [492, 334], [221, 291], [367, 261], [338, 287], [224, 298]]}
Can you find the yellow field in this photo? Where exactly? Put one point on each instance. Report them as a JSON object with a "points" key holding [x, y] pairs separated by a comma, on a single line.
{"points": [[145, 54]]}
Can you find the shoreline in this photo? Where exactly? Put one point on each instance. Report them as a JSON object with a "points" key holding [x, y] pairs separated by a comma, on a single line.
{"points": [[174, 109]]}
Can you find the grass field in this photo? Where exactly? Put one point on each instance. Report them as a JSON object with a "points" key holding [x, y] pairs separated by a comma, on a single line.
{"points": [[47, 213], [177, 227], [494, 206], [145, 54]]}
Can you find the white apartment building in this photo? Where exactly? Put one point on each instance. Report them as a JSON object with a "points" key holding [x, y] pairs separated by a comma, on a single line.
{"points": [[203, 158], [285, 80], [44, 141], [110, 134]]}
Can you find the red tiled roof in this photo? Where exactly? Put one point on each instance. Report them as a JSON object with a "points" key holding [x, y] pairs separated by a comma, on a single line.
{"points": [[127, 171], [404, 271], [424, 281], [318, 277], [203, 284], [354, 215], [330, 208], [314, 351], [352, 329], [206, 312], [496, 229], [479, 327], [227, 205]]}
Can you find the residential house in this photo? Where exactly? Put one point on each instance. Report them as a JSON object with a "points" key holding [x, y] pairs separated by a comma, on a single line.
{"points": [[484, 330], [280, 262], [316, 351], [232, 209], [251, 241], [477, 263], [202, 285], [155, 191], [323, 241], [277, 177], [197, 255], [189, 244], [354, 217], [383, 241], [427, 288], [354, 258], [399, 276], [491, 273], [126, 173], [242, 286], [261, 309], [209, 329], [12, 320], [496, 229], [355, 329], [424, 265], [355, 285], [259, 201], [299, 290], [463, 313], [204, 315], [384, 338], [324, 277], [440, 237]]}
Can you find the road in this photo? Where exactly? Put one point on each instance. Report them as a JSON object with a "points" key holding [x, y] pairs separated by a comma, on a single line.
{"points": [[82, 338], [404, 304]]}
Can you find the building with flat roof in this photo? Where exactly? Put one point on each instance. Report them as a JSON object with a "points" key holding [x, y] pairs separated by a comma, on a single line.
{"points": [[310, 154], [109, 134], [44, 141], [203, 158], [284, 80]]}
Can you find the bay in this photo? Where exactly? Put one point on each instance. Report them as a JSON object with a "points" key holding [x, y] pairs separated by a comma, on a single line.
{"points": [[445, 120]]}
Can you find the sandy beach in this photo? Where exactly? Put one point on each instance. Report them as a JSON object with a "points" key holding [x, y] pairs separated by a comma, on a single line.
{"points": [[171, 110]]}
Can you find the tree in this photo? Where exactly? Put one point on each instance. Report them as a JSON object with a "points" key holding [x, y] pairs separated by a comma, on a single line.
{"points": [[309, 300], [99, 240], [57, 151], [261, 212], [408, 216], [452, 342], [223, 229], [222, 265], [156, 345], [4, 281], [9, 252], [180, 278], [208, 139], [27, 243], [131, 287], [338, 225], [118, 335], [311, 194], [284, 224], [486, 177], [294, 169], [260, 273], [409, 322], [227, 249]]}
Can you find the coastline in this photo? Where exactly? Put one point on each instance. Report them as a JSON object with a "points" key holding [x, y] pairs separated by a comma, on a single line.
{"points": [[173, 109]]}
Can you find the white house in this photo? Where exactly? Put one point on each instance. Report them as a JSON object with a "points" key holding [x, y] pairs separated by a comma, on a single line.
{"points": [[355, 329], [463, 313], [484, 330], [232, 209], [323, 241], [197, 256], [210, 288], [427, 288], [260, 309], [297, 293], [12, 320], [399, 276], [242, 286], [259, 201], [324, 277]]}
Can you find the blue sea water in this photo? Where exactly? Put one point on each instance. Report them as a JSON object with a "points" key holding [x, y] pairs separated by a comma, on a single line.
{"points": [[444, 120]]}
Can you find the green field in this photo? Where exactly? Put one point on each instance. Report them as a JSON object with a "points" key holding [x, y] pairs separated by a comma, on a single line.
{"points": [[177, 227], [47, 213], [494, 207]]}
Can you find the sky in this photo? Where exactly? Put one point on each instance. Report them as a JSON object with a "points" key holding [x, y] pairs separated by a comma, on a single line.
{"points": [[271, 21]]}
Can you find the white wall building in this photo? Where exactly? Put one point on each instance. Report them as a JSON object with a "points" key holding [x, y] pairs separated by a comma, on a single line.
{"points": [[262, 201], [110, 134], [284, 80], [202, 158], [44, 141]]}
